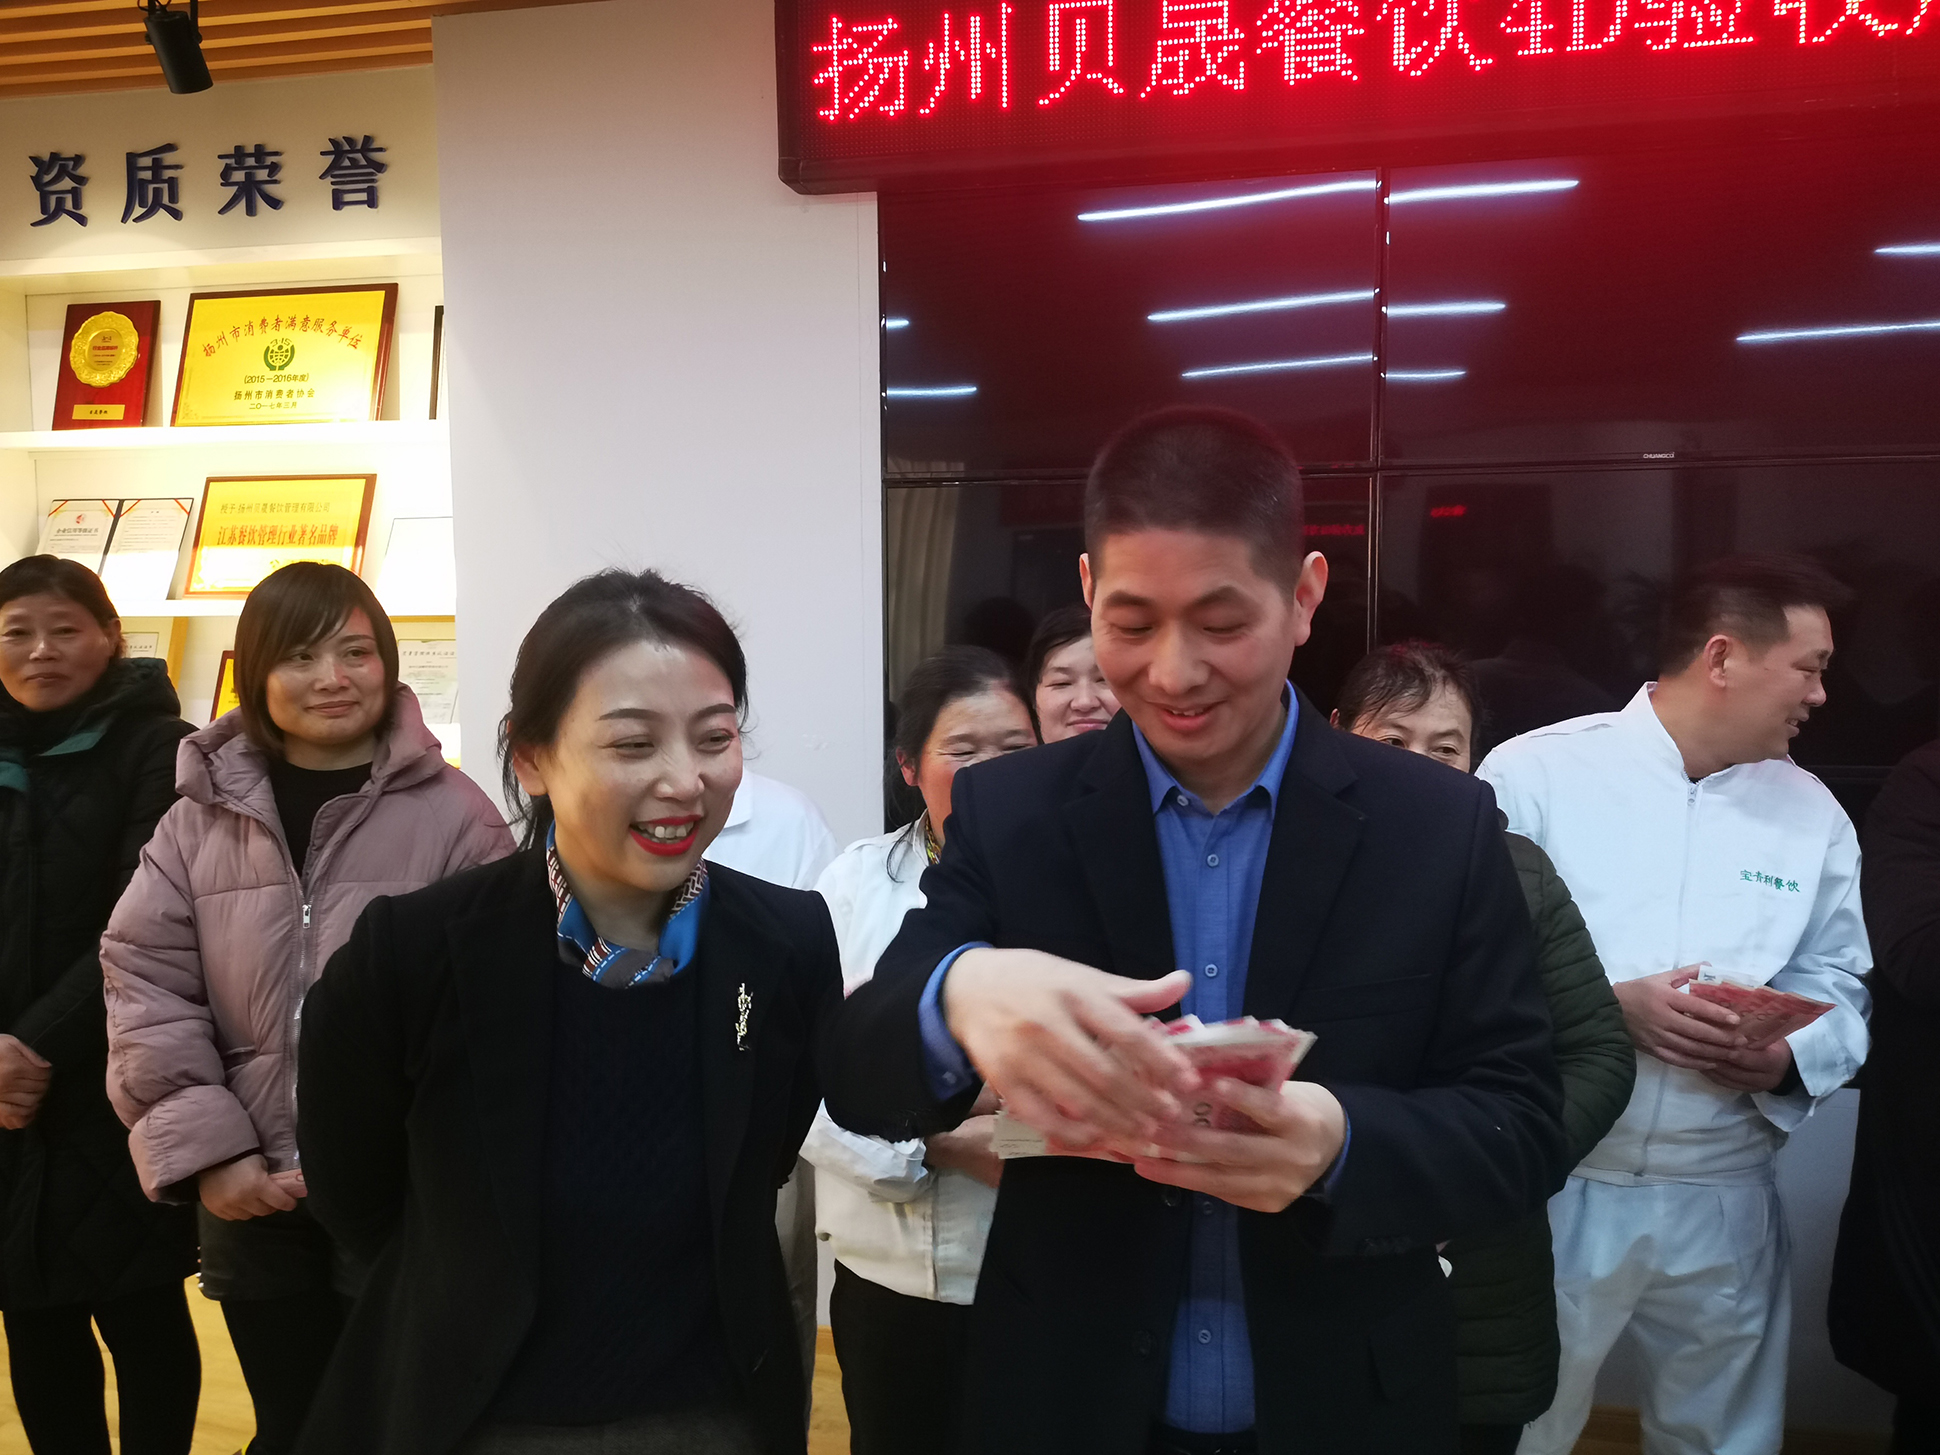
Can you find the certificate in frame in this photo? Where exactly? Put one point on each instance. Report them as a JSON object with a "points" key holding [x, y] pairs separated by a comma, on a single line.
{"points": [[78, 530], [107, 354], [251, 525], [295, 356]]}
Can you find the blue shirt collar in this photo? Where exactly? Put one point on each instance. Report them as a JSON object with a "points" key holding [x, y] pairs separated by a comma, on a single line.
{"points": [[616, 966], [1159, 779]]}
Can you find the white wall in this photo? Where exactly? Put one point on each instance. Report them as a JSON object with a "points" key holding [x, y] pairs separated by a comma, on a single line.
{"points": [[296, 116], [660, 356]]}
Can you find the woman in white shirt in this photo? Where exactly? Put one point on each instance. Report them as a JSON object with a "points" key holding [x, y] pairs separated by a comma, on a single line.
{"points": [[908, 1220]]}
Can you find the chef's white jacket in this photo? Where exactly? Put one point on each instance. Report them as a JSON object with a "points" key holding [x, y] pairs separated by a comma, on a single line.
{"points": [[1754, 870], [913, 1229]]}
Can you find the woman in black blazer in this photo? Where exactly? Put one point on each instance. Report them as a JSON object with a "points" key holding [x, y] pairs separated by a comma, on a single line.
{"points": [[551, 1099]]}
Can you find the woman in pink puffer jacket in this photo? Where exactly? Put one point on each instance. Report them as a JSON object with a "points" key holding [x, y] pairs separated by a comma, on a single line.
{"points": [[321, 792]]}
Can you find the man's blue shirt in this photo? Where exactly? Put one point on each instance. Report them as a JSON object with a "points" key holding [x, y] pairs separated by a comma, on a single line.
{"points": [[1213, 866]]}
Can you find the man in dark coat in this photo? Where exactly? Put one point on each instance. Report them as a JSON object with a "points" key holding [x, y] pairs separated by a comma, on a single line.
{"points": [[1885, 1306], [1187, 1290]]}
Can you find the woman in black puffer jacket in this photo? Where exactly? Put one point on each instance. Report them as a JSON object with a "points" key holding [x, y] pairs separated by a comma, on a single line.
{"points": [[87, 767]]}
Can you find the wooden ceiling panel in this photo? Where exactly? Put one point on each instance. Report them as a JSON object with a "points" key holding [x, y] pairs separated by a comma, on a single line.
{"points": [[99, 45]]}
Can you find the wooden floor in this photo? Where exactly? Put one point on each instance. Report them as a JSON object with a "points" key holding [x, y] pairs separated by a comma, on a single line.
{"points": [[225, 1422]]}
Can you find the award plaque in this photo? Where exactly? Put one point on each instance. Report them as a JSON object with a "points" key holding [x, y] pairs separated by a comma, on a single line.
{"points": [[227, 698], [307, 356], [252, 525], [106, 350]]}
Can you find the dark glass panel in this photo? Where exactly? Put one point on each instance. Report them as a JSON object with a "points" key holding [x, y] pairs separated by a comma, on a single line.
{"points": [[1047, 316], [1624, 299], [1553, 582]]}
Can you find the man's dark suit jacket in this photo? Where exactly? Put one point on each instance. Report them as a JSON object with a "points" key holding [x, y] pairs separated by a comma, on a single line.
{"points": [[424, 1067], [1390, 924]]}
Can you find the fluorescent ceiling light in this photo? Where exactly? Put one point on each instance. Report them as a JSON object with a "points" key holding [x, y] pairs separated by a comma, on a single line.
{"points": [[1482, 189], [1214, 204], [1263, 305], [937, 391], [1839, 330], [1274, 366], [895, 323], [1444, 310], [1910, 250], [1424, 376]]}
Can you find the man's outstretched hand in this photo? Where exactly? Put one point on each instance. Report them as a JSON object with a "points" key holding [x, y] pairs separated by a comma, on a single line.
{"points": [[1067, 1046], [1302, 1129]]}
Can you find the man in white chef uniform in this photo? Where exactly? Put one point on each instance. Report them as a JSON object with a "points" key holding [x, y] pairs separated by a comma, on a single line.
{"points": [[1688, 838]]}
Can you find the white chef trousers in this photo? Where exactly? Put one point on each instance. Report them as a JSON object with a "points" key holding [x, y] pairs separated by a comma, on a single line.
{"points": [[1700, 1275]]}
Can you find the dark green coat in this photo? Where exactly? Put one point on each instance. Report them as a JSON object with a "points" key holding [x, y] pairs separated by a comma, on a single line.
{"points": [[80, 793], [1504, 1282]]}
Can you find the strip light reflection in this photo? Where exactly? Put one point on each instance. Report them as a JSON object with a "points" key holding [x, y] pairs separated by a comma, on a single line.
{"points": [[1215, 204], [1423, 376], [1263, 305], [895, 323], [1910, 250], [938, 391], [1842, 330], [1482, 189], [1274, 366], [1444, 310]]}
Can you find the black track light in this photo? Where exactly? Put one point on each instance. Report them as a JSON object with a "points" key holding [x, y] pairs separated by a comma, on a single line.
{"points": [[178, 45]]}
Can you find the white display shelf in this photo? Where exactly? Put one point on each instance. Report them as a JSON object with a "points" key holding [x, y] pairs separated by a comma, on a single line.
{"points": [[374, 432]]}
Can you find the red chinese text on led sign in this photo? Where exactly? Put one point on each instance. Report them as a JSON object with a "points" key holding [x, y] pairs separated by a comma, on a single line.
{"points": [[1082, 52]]}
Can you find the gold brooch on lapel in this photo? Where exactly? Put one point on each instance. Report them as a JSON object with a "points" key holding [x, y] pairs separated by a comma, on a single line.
{"points": [[743, 1003]]}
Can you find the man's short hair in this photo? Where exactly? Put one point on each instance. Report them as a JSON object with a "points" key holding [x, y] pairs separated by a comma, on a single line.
{"points": [[1744, 597], [1206, 470]]}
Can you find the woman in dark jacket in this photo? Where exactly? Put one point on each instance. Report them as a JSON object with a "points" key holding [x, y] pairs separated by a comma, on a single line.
{"points": [[87, 767], [1885, 1306], [1421, 697], [552, 1098]]}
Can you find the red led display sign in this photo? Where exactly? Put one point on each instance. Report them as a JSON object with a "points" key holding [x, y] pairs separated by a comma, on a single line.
{"points": [[881, 93]]}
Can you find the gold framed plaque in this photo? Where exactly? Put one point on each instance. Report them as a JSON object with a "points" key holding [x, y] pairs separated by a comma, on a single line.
{"points": [[304, 356], [251, 525], [227, 698]]}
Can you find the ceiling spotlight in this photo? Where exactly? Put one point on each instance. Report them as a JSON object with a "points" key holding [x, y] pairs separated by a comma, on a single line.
{"points": [[178, 45]]}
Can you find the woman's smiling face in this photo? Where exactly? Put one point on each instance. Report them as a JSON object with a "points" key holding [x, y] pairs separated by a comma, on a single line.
{"points": [[642, 772]]}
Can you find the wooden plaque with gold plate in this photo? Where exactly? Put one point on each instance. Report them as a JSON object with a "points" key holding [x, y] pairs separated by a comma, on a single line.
{"points": [[106, 353], [300, 356]]}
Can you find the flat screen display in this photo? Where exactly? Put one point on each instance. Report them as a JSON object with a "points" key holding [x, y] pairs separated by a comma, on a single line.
{"points": [[882, 93]]}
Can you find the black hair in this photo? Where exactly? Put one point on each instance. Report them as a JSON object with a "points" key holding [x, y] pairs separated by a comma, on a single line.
{"points": [[292, 608], [590, 619], [52, 576], [1402, 677], [1744, 597], [1061, 626], [933, 684], [1207, 470]]}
